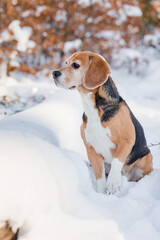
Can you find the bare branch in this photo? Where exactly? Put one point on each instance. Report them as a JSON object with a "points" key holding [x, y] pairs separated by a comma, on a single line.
{"points": [[154, 144]]}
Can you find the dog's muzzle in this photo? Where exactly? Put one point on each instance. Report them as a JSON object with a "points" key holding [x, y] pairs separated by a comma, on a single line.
{"points": [[56, 74]]}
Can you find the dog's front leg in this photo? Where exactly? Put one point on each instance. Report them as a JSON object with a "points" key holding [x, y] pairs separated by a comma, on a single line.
{"points": [[114, 177], [97, 163]]}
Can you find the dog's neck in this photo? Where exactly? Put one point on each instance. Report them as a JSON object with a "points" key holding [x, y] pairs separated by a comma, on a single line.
{"points": [[104, 96]]}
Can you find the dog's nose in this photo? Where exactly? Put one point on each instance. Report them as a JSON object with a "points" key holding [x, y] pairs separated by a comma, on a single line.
{"points": [[56, 74]]}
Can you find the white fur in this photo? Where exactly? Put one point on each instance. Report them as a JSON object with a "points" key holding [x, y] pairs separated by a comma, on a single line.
{"points": [[96, 135], [99, 138], [114, 177], [75, 79]]}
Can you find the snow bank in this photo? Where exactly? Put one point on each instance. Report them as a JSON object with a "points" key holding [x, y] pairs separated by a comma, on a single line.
{"points": [[45, 188]]}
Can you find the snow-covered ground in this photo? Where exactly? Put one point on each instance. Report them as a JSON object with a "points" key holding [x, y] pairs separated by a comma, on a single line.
{"points": [[21, 91], [46, 183]]}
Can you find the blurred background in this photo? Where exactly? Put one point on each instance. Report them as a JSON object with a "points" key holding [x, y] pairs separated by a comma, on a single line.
{"points": [[36, 36]]}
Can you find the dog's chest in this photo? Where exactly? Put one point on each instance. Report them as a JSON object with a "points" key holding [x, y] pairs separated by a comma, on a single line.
{"points": [[96, 135]]}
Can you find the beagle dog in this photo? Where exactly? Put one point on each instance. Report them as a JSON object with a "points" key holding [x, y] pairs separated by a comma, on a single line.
{"points": [[113, 137]]}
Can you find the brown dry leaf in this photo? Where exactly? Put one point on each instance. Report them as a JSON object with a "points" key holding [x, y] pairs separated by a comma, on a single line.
{"points": [[6, 233]]}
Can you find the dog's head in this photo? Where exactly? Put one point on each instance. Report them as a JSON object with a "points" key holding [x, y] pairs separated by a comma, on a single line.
{"points": [[83, 68]]}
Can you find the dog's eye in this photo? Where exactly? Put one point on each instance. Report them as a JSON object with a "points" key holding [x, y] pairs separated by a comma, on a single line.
{"points": [[75, 65]]}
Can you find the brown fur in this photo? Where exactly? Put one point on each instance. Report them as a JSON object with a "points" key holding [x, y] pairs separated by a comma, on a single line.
{"points": [[122, 133], [145, 164], [97, 72]]}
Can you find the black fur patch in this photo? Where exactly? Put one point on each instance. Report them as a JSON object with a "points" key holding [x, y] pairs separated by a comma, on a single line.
{"points": [[140, 148], [109, 112], [110, 105], [109, 108], [111, 90], [84, 118]]}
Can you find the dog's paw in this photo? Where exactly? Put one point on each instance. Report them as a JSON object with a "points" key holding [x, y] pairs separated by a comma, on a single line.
{"points": [[113, 185]]}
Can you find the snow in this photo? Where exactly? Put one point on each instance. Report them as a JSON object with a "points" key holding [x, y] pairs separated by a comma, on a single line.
{"points": [[132, 11], [26, 13], [105, 3], [61, 15], [72, 44], [20, 92], [122, 16], [122, 13], [39, 10], [88, 2], [5, 36], [22, 35], [153, 39], [132, 59], [110, 35], [130, 53], [47, 185], [40, 168]]}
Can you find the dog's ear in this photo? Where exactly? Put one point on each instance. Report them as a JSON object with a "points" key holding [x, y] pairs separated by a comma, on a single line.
{"points": [[97, 73]]}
